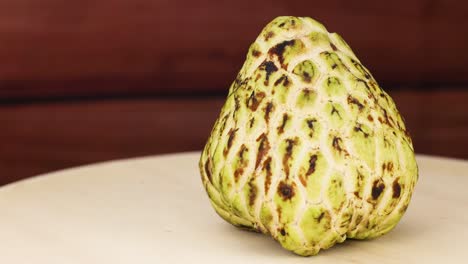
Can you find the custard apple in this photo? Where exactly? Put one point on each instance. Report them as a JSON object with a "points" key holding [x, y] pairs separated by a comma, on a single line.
{"points": [[308, 148]]}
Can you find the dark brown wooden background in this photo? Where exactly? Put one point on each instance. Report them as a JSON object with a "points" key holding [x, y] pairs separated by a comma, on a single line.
{"points": [[93, 80]]}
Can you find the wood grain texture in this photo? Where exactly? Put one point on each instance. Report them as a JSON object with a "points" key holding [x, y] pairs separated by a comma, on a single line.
{"points": [[44, 137], [57, 48], [38, 138]]}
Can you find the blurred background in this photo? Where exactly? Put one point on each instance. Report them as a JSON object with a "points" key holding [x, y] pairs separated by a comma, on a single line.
{"points": [[94, 80]]}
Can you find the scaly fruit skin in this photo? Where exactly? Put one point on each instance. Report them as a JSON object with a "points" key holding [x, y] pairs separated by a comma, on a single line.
{"points": [[308, 148]]}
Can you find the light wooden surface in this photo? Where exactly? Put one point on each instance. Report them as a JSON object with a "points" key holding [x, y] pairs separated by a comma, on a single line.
{"points": [[154, 210]]}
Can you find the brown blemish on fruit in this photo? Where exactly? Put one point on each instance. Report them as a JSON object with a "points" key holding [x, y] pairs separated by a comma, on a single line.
{"points": [[283, 124], [237, 173], [407, 134], [267, 168], [236, 103], [375, 86], [366, 85], [263, 148], [258, 76], [328, 55], [240, 170], [289, 149], [336, 143], [279, 49], [358, 128], [403, 209], [223, 124], [391, 120], [358, 220], [312, 163], [231, 137], [306, 77], [333, 47], [396, 189], [335, 62], [282, 232], [220, 180], [279, 212], [305, 73], [307, 92], [390, 166], [310, 125], [310, 170], [360, 68], [352, 100], [283, 79], [333, 79], [335, 111], [268, 109], [255, 100], [269, 67], [253, 192], [387, 142], [208, 170], [319, 219], [360, 177], [240, 82], [387, 120], [369, 117], [377, 188], [286, 191], [256, 53], [251, 122], [303, 180], [269, 35]]}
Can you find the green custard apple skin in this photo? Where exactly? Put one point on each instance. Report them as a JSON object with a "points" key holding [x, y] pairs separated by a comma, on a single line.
{"points": [[307, 147]]}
